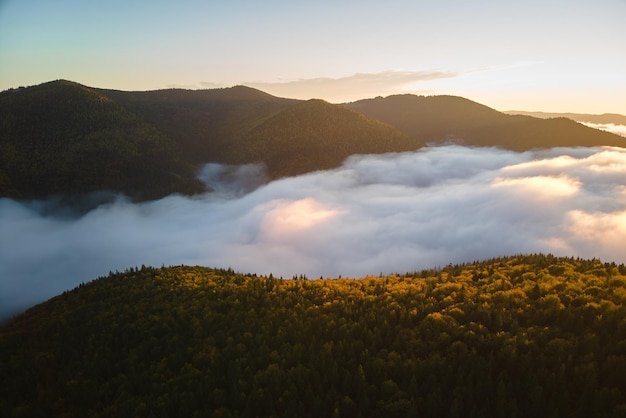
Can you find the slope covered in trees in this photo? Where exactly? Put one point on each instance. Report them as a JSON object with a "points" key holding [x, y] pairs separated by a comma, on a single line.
{"points": [[450, 118], [316, 135], [523, 336], [64, 138], [242, 125], [207, 124]]}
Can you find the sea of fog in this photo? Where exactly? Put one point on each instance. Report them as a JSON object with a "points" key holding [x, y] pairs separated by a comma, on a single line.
{"points": [[376, 214]]}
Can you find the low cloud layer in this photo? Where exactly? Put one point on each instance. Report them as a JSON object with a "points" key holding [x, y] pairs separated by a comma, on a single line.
{"points": [[354, 87], [376, 214], [611, 127]]}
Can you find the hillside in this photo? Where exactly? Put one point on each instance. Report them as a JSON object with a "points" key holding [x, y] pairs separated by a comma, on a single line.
{"points": [[242, 125], [316, 135], [205, 123], [64, 138], [449, 118], [522, 336]]}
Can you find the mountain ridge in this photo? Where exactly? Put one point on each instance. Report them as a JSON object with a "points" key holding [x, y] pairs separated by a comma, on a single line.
{"points": [[62, 137], [204, 122], [196, 126], [321, 135], [436, 119]]}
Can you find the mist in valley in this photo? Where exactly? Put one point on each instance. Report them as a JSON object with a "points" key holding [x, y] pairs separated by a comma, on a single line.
{"points": [[375, 214]]}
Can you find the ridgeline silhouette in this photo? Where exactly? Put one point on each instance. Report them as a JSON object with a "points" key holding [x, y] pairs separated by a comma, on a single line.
{"points": [[437, 119], [64, 138]]}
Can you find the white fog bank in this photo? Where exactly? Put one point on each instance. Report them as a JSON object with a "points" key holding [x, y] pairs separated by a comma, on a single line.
{"points": [[610, 127], [376, 214]]}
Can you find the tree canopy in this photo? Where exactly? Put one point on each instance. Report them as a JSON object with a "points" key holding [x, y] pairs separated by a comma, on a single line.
{"points": [[521, 336], [63, 138]]}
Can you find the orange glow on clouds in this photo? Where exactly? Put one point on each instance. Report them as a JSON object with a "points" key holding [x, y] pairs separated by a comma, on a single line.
{"points": [[560, 162], [610, 127], [606, 232], [611, 160], [542, 186], [288, 216]]}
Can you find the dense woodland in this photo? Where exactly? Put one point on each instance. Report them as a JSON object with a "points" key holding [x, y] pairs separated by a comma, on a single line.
{"points": [[241, 125], [523, 336], [207, 124], [316, 135], [62, 138], [456, 119]]}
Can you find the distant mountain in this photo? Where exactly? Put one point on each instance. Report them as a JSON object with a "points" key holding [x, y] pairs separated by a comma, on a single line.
{"points": [[242, 125], [65, 138], [525, 336], [205, 123], [604, 118], [316, 135], [448, 118]]}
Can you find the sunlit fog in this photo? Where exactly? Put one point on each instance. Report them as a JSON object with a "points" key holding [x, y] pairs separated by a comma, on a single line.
{"points": [[376, 214]]}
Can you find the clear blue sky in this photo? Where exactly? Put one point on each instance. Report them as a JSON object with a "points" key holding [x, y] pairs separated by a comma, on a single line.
{"points": [[535, 55]]}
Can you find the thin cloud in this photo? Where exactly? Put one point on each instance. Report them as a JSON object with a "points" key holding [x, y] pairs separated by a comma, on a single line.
{"points": [[376, 214], [549, 187], [198, 85], [610, 127], [354, 87]]}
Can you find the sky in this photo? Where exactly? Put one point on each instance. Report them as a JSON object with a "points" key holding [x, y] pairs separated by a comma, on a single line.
{"points": [[553, 56], [390, 213]]}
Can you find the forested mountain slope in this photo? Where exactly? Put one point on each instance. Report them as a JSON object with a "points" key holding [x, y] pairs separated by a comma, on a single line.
{"points": [[449, 118], [242, 125], [316, 135], [207, 124], [64, 138], [523, 336]]}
